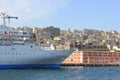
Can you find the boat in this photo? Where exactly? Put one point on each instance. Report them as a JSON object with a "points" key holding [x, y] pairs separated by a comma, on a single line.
{"points": [[17, 52]]}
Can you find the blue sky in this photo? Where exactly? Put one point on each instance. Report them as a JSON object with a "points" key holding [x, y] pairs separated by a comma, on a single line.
{"points": [[73, 14]]}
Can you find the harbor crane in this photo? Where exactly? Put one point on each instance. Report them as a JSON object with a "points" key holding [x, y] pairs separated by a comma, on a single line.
{"points": [[9, 17], [4, 16]]}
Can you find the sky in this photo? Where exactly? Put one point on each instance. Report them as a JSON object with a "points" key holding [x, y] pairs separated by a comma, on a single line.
{"points": [[72, 14]]}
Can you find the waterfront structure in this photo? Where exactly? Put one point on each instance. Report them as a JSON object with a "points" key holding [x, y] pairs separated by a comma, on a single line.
{"points": [[93, 57]]}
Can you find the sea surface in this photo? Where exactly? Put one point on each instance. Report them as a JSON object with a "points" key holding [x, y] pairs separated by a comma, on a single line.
{"points": [[64, 73]]}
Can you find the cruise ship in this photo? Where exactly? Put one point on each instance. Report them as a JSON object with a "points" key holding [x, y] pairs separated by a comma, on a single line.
{"points": [[16, 51]]}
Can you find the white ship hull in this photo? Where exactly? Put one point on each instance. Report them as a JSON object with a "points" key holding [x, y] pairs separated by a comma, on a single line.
{"points": [[22, 56]]}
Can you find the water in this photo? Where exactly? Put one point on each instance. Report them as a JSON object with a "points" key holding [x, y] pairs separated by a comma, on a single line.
{"points": [[65, 73]]}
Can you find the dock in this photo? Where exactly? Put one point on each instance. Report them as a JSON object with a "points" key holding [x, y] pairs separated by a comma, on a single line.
{"points": [[69, 64], [92, 58]]}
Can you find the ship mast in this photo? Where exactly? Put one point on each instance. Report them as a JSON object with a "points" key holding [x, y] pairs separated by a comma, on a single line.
{"points": [[3, 16]]}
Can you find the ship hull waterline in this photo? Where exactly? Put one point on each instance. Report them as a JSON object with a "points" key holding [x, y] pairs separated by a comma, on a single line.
{"points": [[30, 66]]}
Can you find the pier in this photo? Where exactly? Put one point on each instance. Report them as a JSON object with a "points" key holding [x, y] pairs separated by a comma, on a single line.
{"points": [[69, 64], [92, 58]]}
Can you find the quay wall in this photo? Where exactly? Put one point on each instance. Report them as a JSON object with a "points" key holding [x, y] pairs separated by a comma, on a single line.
{"points": [[93, 58]]}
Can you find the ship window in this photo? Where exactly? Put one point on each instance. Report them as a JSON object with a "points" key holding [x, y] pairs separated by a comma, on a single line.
{"points": [[71, 60], [99, 54], [24, 33], [5, 32], [12, 53]]}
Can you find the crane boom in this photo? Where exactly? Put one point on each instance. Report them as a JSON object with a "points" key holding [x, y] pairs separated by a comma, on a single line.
{"points": [[9, 17], [4, 16]]}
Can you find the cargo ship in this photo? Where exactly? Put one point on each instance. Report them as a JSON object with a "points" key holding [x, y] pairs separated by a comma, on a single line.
{"points": [[16, 51]]}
